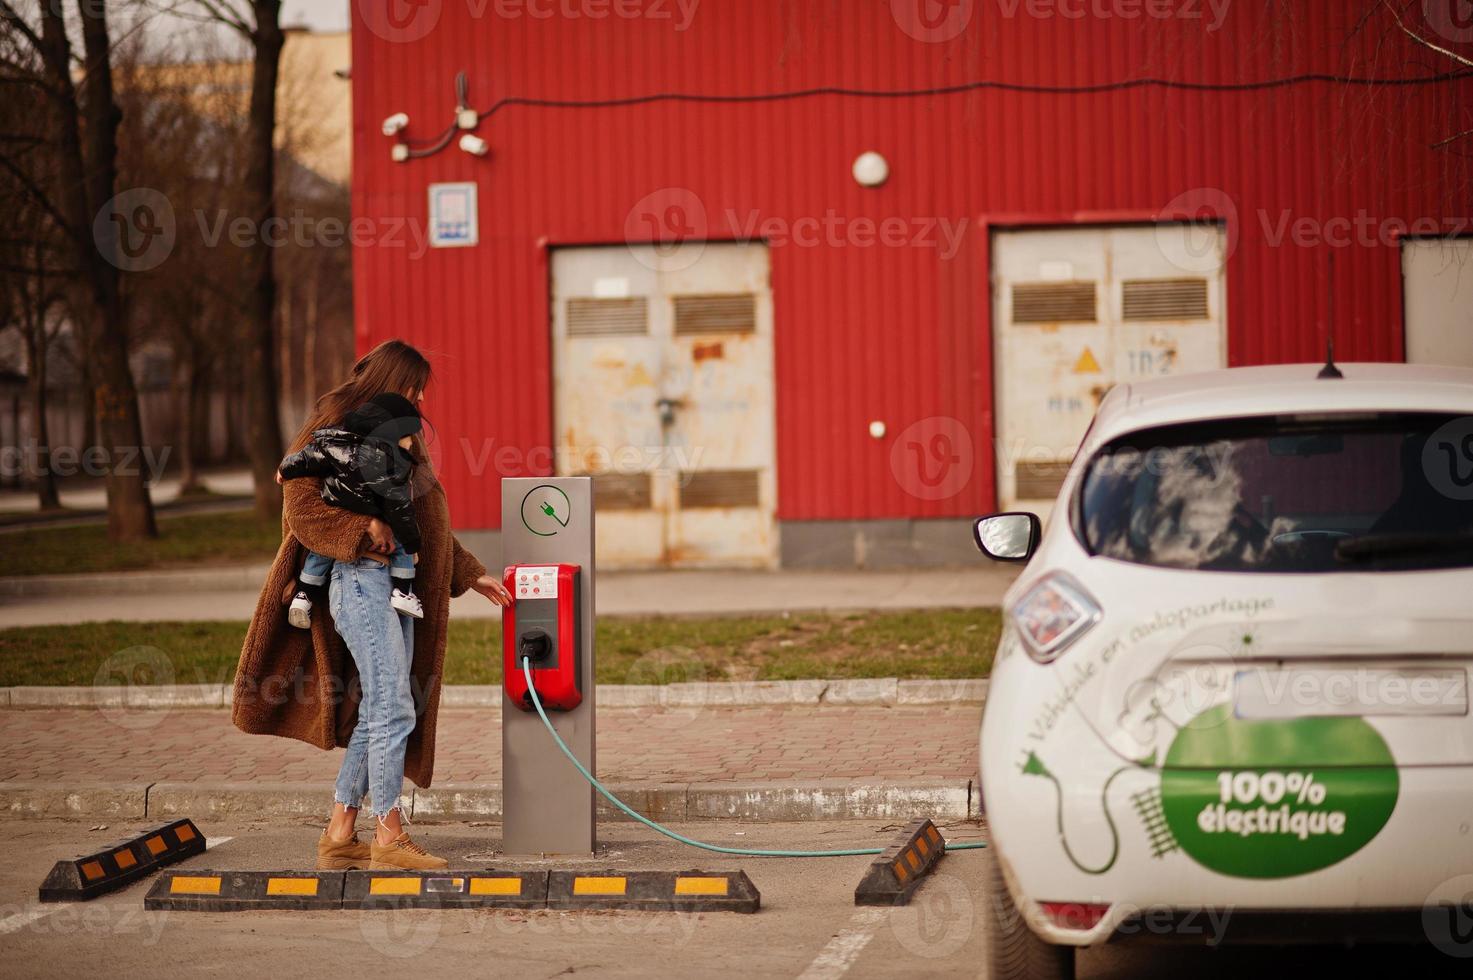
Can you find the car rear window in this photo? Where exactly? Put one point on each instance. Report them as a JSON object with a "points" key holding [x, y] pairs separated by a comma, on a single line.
{"points": [[1383, 491]]}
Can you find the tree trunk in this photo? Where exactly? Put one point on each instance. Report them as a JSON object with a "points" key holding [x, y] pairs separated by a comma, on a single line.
{"points": [[309, 346], [87, 184], [46, 494], [183, 397], [201, 411], [264, 427]]}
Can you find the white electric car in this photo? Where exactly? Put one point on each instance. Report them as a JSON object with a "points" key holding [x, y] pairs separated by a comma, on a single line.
{"points": [[1230, 700]]}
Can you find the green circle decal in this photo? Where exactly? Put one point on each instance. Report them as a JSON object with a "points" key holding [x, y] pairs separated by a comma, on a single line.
{"points": [[1273, 799]]}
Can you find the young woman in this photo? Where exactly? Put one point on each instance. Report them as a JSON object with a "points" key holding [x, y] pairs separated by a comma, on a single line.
{"points": [[364, 677]]}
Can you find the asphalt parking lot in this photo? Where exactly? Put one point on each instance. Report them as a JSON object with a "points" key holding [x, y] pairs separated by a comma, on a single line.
{"points": [[807, 927]]}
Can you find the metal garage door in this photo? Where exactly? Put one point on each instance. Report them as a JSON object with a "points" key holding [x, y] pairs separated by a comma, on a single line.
{"points": [[1077, 310], [663, 376]]}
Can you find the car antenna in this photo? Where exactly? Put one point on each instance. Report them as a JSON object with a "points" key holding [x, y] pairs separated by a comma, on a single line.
{"points": [[1330, 371]]}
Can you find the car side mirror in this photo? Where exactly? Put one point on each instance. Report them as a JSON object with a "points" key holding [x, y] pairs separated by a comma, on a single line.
{"points": [[1008, 537]]}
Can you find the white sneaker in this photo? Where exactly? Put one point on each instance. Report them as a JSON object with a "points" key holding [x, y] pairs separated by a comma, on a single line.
{"points": [[407, 603], [299, 613]]}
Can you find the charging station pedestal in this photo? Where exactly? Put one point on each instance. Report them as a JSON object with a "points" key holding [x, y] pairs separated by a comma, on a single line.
{"points": [[547, 807]]}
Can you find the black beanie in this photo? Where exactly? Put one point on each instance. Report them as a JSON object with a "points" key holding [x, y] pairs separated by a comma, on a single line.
{"points": [[388, 416]]}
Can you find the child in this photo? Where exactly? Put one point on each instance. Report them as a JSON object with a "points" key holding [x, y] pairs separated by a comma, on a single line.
{"points": [[365, 467]]}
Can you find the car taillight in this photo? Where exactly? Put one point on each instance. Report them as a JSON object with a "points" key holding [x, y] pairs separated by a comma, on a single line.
{"points": [[1078, 916], [1053, 614]]}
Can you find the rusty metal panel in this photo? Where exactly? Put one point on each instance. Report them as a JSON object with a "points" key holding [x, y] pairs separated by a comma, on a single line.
{"points": [[1054, 371], [864, 330], [675, 426]]}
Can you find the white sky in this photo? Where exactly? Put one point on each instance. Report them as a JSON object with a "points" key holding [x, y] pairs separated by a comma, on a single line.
{"points": [[172, 31]]}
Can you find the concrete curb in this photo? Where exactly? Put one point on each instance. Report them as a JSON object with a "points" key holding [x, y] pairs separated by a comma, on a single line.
{"points": [[203, 579], [780, 800], [735, 694]]}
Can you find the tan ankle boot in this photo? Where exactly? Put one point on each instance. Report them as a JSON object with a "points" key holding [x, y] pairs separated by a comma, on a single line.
{"points": [[403, 854], [342, 855]]}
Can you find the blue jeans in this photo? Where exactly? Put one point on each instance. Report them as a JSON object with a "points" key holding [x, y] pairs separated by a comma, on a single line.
{"points": [[317, 568], [381, 643]]}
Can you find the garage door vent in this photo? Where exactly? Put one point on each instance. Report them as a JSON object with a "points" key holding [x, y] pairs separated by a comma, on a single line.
{"points": [[1054, 302], [1164, 299], [716, 313], [719, 488], [608, 317], [622, 491], [1039, 481]]}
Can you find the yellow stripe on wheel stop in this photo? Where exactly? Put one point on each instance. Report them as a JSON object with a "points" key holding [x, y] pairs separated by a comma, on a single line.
{"points": [[182, 885], [701, 886], [291, 886], [599, 886]]}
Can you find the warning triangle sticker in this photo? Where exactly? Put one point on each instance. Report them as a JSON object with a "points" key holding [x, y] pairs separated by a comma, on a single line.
{"points": [[1087, 363]]}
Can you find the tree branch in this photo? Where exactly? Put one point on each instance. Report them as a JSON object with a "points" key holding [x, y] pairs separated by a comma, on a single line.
{"points": [[14, 19], [35, 190], [1451, 139], [1422, 40]]}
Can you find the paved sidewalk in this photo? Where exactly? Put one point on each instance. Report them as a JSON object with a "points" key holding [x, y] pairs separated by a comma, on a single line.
{"points": [[230, 593], [731, 754]]}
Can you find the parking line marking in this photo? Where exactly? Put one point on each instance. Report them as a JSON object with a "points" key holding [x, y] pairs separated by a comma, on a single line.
{"points": [[213, 842], [835, 959]]}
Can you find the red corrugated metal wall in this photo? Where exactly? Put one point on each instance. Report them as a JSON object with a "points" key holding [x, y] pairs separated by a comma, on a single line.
{"points": [[899, 333]]}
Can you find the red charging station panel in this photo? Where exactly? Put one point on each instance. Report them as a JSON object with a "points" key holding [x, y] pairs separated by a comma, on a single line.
{"points": [[544, 623]]}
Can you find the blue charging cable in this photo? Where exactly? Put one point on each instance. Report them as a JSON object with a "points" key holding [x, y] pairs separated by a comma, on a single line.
{"points": [[719, 849]]}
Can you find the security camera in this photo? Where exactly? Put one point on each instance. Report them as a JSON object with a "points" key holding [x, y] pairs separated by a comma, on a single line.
{"points": [[474, 145], [395, 123]]}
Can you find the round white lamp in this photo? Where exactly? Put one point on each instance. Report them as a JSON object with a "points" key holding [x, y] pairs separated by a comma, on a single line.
{"points": [[871, 169]]}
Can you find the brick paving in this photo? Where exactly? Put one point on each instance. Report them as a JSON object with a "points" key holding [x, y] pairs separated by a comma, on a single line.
{"points": [[636, 745]]}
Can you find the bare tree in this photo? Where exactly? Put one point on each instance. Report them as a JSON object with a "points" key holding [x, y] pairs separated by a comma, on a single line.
{"points": [[80, 181], [259, 23]]}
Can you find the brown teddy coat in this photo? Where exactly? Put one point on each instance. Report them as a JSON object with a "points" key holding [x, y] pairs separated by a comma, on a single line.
{"points": [[303, 684]]}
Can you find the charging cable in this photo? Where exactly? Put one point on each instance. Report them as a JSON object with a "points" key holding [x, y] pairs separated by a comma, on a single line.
{"points": [[719, 849]]}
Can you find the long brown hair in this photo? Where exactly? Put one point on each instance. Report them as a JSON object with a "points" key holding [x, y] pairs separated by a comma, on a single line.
{"points": [[391, 366]]}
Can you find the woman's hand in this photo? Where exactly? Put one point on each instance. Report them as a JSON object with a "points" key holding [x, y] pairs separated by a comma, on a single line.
{"points": [[492, 589], [381, 538]]}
